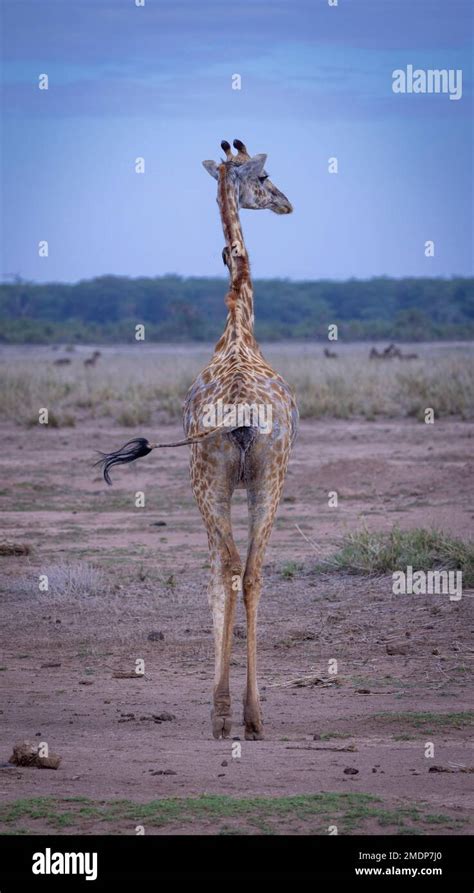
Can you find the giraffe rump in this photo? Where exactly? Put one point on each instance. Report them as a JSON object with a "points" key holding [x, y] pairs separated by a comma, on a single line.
{"points": [[133, 449]]}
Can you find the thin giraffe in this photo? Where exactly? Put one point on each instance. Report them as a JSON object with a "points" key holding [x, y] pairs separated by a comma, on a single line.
{"points": [[252, 454]]}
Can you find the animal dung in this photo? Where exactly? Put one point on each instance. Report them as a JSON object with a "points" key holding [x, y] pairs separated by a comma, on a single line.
{"points": [[27, 754], [7, 548], [155, 636], [396, 649]]}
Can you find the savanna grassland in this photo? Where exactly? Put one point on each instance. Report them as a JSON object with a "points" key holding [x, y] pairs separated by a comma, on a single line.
{"points": [[345, 747], [138, 385]]}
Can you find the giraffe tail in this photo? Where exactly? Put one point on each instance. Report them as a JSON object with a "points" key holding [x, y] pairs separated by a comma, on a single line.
{"points": [[140, 446], [130, 451]]}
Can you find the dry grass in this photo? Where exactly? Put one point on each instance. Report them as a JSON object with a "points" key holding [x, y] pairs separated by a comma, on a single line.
{"points": [[75, 581], [135, 388], [87, 609], [357, 387]]}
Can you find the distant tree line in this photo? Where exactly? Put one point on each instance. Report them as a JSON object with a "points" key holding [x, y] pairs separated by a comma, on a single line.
{"points": [[107, 309]]}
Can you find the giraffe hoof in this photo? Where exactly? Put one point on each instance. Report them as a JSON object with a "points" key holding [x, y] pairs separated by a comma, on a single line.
{"points": [[254, 732], [221, 726], [253, 721]]}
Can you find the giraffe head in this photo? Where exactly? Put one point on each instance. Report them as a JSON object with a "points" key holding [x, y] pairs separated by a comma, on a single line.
{"points": [[252, 185]]}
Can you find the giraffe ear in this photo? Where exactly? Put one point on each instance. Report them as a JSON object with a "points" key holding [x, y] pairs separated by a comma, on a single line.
{"points": [[212, 168], [252, 168]]}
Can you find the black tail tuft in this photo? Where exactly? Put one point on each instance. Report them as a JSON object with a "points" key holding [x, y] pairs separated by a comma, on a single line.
{"points": [[130, 451]]}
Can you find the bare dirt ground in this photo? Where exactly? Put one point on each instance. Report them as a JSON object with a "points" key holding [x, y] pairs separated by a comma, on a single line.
{"points": [[376, 716]]}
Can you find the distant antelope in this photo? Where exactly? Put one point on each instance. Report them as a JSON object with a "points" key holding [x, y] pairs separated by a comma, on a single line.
{"points": [[390, 353], [329, 354], [91, 361], [62, 361]]}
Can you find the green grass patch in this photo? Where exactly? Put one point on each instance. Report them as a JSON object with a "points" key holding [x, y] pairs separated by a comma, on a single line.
{"points": [[290, 570], [227, 815], [381, 553], [427, 721]]}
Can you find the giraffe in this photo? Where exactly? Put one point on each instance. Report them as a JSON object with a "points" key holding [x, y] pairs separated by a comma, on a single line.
{"points": [[252, 454]]}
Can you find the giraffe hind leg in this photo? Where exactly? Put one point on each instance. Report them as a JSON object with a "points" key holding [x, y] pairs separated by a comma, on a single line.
{"points": [[225, 583], [214, 501], [263, 496]]}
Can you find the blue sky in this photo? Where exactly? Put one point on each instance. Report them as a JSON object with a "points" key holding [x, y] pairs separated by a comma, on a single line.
{"points": [[155, 81]]}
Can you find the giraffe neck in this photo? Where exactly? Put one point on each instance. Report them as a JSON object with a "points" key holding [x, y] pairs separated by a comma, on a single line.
{"points": [[239, 299]]}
